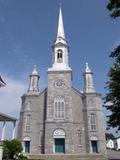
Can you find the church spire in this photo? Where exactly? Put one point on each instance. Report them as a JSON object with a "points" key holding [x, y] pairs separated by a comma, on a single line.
{"points": [[60, 39], [88, 80], [60, 48], [60, 32], [34, 79]]}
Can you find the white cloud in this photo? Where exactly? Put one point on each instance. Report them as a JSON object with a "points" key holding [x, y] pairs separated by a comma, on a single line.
{"points": [[10, 96], [10, 100]]}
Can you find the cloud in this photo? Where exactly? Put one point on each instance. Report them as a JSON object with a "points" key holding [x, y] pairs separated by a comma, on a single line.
{"points": [[10, 95], [10, 100]]}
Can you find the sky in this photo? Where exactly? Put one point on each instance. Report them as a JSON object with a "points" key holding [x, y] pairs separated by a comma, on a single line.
{"points": [[28, 29]]}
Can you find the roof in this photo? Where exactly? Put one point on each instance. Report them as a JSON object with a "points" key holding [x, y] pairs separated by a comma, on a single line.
{"points": [[77, 91], [108, 140], [5, 117], [45, 90]]}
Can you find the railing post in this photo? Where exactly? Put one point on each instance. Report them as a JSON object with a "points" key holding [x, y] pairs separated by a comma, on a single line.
{"points": [[3, 131], [14, 129]]}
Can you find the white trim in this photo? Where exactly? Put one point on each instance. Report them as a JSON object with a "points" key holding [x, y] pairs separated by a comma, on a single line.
{"points": [[27, 138], [93, 138], [59, 133], [3, 131], [14, 130], [54, 146]]}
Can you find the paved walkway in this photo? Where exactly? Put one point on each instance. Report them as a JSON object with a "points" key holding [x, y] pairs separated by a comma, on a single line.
{"points": [[113, 155]]}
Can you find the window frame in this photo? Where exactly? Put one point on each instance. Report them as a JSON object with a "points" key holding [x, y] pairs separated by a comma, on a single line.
{"points": [[59, 56], [93, 125], [28, 123], [79, 138], [59, 108]]}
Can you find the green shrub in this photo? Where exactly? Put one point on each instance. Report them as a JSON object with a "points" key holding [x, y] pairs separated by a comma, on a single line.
{"points": [[11, 148]]}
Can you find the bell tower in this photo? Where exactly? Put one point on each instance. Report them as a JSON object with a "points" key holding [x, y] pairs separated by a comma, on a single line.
{"points": [[59, 115], [60, 48]]}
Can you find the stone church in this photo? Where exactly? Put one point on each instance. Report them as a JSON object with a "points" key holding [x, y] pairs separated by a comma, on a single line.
{"points": [[61, 119]]}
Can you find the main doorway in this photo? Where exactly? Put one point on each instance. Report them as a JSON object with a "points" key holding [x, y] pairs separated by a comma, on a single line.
{"points": [[94, 146], [59, 141], [59, 145]]}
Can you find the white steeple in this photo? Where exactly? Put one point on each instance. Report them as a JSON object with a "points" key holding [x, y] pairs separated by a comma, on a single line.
{"points": [[60, 32], [88, 80], [60, 48], [34, 79], [60, 39]]}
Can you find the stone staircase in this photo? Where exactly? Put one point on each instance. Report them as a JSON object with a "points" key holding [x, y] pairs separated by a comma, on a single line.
{"points": [[68, 157]]}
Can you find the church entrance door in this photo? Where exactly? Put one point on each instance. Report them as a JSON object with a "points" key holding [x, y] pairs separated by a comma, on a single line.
{"points": [[59, 145], [27, 146], [94, 146]]}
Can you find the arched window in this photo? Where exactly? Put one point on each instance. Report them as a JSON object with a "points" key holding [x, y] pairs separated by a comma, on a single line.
{"points": [[93, 122], [27, 123], [59, 108], [78, 138], [59, 55]]}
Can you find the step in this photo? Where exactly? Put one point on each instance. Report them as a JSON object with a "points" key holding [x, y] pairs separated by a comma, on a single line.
{"points": [[68, 157]]}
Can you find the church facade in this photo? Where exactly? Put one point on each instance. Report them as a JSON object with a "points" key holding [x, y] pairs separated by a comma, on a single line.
{"points": [[61, 119]]}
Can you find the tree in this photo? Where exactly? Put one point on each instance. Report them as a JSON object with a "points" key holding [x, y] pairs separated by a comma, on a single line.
{"points": [[114, 7], [10, 148], [109, 136], [5, 152], [113, 87], [113, 84]]}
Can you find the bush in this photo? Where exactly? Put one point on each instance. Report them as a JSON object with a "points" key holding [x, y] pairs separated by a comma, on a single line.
{"points": [[21, 157], [5, 152], [11, 148]]}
